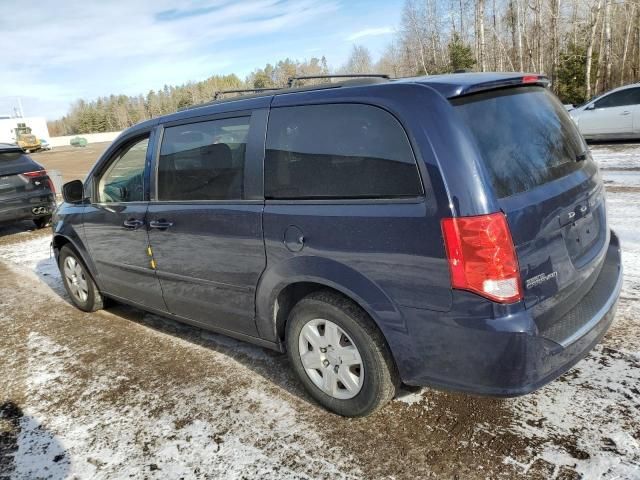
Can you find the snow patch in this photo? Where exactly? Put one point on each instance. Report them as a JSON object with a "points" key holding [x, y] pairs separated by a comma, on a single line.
{"points": [[616, 157], [586, 420], [36, 255]]}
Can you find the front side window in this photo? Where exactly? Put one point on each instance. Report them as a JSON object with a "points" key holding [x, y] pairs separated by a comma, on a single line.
{"points": [[203, 161], [123, 181], [344, 151], [617, 99], [634, 96]]}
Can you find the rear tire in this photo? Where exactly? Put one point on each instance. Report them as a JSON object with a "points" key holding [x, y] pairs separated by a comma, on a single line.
{"points": [[78, 282], [42, 222], [340, 355]]}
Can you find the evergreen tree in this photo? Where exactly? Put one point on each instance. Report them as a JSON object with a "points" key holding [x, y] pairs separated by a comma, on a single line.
{"points": [[571, 73], [460, 54]]}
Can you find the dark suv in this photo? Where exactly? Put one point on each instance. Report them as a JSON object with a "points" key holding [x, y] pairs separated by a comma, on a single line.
{"points": [[26, 191], [446, 231]]}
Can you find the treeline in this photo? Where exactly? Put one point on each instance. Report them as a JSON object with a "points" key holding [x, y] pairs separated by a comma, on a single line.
{"points": [[117, 112], [586, 47]]}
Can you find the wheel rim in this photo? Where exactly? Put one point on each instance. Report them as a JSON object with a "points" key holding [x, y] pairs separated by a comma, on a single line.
{"points": [[76, 279], [331, 359]]}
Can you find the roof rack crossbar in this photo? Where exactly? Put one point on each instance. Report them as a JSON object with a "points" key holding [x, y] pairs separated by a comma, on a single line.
{"points": [[353, 75], [244, 90]]}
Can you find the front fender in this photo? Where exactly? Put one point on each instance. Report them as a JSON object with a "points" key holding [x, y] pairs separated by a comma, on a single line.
{"points": [[331, 274], [68, 228]]}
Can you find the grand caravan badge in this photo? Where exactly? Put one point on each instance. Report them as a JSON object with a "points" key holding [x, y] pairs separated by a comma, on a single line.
{"points": [[540, 278]]}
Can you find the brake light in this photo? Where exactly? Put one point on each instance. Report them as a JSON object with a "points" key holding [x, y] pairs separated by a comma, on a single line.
{"points": [[482, 258], [530, 79], [36, 174]]}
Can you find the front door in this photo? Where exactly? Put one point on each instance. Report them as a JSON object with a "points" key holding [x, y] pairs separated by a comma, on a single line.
{"points": [[115, 227], [610, 116], [205, 229]]}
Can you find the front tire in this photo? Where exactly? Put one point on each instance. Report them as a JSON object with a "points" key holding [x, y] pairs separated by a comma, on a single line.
{"points": [[340, 355], [78, 282]]}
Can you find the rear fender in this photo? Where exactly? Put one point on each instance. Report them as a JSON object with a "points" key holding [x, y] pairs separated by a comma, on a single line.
{"points": [[329, 273]]}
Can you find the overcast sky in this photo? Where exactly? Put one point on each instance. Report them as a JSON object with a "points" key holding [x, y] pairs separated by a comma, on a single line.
{"points": [[53, 53]]}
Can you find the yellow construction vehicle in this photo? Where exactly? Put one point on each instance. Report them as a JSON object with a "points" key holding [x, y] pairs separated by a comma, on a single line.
{"points": [[26, 140]]}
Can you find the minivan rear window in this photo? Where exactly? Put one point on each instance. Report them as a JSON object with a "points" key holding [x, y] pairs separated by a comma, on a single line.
{"points": [[525, 137], [10, 156]]}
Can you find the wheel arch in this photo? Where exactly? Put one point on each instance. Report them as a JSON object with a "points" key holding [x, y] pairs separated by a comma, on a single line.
{"points": [[60, 241], [284, 285]]}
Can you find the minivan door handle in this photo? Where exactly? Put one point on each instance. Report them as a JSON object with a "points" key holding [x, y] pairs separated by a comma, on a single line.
{"points": [[625, 113], [160, 224], [133, 223]]}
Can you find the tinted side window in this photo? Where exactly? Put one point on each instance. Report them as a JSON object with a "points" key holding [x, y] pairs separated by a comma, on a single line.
{"points": [[617, 99], [203, 161], [635, 96], [338, 151], [123, 181]]}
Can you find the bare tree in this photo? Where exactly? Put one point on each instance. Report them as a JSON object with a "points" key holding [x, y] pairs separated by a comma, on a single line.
{"points": [[607, 44], [555, 39], [594, 17], [625, 49], [483, 49], [414, 31], [519, 34], [359, 61]]}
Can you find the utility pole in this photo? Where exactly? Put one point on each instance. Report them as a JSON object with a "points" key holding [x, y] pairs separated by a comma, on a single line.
{"points": [[20, 107]]}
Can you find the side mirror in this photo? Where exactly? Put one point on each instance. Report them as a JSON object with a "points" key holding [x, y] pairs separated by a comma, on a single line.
{"points": [[591, 107], [73, 192]]}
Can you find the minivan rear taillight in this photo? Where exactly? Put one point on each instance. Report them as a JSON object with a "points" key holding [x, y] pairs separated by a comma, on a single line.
{"points": [[482, 258]]}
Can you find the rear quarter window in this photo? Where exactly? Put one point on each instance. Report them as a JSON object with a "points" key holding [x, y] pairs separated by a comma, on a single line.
{"points": [[16, 161], [525, 137], [341, 151], [9, 156]]}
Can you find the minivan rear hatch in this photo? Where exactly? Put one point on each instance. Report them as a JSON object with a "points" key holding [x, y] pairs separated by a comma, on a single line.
{"points": [[549, 188]]}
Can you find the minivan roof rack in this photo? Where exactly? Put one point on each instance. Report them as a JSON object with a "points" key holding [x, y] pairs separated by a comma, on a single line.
{"points": [[261, 92], [244, 90], [292, 80]]}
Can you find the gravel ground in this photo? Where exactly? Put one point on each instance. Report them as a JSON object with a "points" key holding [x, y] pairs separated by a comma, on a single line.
{"points": [[122, 393], [73, 163]]}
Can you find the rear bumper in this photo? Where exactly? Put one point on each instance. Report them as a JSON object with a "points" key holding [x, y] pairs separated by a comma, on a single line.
{"points": [[508, 356], [22, 208]]}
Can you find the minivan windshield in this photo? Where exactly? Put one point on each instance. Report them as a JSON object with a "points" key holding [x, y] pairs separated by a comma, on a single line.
{"points": [[525, 137]]}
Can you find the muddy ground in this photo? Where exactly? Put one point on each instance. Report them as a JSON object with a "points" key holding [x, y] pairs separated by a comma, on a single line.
{"points": [[121, 393], [72, 162]]}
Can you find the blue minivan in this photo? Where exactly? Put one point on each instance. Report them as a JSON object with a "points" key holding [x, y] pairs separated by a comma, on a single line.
{"points": [[447, 231]]}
